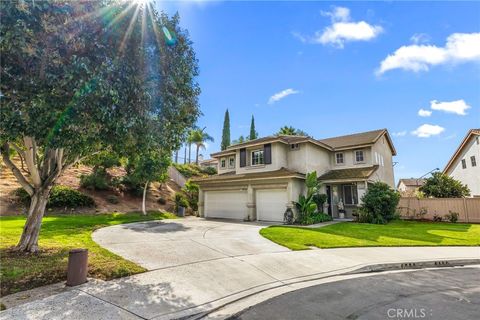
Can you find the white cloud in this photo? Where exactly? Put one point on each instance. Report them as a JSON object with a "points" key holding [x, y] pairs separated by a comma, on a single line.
{"points": [[420, 38], [428, 130], [458, 107], [282, 94], [400, 134], [342, 30], [460, 47], [424, 113]]}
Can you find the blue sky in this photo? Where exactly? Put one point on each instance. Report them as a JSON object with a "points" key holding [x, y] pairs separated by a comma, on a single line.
{"points": [[324, 62]]}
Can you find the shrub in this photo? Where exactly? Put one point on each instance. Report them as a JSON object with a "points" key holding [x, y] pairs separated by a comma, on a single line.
{"points": [[316, 217], [189, 170], [162, 201], [209, 171], [132, 185], [437, 218], [112, 199], [379, 204], [191, 191], [60, 196], [320, 200], [99, 179], [180, 201], [452, 216], [440, 185]]}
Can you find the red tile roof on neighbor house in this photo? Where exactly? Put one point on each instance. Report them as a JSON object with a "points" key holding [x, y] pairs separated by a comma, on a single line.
{"points": [[471, 133]]}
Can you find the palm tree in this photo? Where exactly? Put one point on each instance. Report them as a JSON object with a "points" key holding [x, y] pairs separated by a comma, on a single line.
{"points": [[291, 131], [189, 142], [199, 137]]}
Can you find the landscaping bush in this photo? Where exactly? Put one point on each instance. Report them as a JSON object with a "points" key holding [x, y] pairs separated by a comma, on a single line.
{"points": [[188, 170], [132, 185], [316, 217], [320, 200], [452, 216], [112, 199], [209, 171], [437, 218], [60, 196], [180, 201], [162, 201], [99, 179], [191, 191], [379, 204]]}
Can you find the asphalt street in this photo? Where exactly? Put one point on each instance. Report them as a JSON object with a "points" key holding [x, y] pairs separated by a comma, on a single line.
{"points": [[450, 293]]}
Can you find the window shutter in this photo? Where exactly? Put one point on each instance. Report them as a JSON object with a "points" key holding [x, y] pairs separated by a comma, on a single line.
{"points": [[267, 153], [243, 157]]}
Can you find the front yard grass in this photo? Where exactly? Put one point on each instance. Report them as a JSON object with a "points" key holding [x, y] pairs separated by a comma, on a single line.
{"points": [[393, 234], [58, 235]]}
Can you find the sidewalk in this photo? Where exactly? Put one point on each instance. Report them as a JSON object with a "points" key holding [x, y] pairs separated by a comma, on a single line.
{"points": [[192, 288]]}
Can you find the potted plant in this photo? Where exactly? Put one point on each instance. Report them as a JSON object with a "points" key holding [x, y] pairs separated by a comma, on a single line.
{"points": [[181, 203]]}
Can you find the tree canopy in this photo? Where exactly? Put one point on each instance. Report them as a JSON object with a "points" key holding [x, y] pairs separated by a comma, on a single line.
{"points": [[291, 131], [226, 131], [80, 77], [440, 185], [253, 133]]}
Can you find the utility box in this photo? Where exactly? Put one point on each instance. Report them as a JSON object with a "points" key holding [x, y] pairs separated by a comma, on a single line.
{"points": [[77, 267]]}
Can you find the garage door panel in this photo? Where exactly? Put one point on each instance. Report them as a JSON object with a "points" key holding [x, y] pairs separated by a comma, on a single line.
{"points": [[226, 204], [271, 204]]}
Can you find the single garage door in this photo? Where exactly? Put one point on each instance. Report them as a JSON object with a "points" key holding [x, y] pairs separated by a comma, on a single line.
{"points": [[226, 204], [271, 204]]}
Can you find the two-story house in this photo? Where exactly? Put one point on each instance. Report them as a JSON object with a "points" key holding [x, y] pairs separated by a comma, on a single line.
{"points": [[463, 164], [260, 179]]}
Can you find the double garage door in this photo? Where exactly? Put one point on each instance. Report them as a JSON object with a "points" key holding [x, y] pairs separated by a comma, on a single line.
{"points": [[270, 204]]}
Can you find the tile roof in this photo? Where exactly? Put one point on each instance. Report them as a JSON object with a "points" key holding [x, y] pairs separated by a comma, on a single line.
{"points": [[350, 173], [231, 176]]}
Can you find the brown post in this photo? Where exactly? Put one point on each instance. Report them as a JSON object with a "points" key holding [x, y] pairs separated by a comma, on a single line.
{"points": [[77, 267]]}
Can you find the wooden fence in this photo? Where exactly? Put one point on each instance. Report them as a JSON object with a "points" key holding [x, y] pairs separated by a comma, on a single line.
{"points": [[468, 209]]}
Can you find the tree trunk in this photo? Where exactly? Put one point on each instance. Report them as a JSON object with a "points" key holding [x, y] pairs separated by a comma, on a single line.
{"points": [[185, 157], [29, 239], [189, 153], [176, 156], [144, 198], [196, 156]]}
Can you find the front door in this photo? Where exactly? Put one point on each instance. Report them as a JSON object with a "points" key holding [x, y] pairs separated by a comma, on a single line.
{"points": [[329, 200]]}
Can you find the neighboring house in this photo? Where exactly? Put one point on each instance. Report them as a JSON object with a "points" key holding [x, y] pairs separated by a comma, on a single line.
{"points": [[464, 164], [408, 187], [209, 163], [259, 179]]}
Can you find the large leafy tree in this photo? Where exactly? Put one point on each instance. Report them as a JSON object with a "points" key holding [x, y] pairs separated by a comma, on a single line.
{"points": [[440, 185], [226, 131], [82, 76]]}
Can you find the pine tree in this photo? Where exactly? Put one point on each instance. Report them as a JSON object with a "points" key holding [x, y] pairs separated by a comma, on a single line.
{"points": [[253, 134], [226, 131]]}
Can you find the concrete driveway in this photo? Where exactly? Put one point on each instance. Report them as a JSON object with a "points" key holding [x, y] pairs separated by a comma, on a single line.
{"points": [[199, 265], [168, 243]]}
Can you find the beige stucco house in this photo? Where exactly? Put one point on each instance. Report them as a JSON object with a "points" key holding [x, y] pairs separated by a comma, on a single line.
{"points": [[463, 165], [259, 179], [409, 187]]}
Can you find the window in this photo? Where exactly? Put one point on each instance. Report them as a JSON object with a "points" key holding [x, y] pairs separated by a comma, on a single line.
{"points": [[231, 162], [464, 164], [223, 163], [257, 157], [359, 156], [339, 158], [294, 146], [381, 160], [350, 195], [376, 158], [474, 161]]}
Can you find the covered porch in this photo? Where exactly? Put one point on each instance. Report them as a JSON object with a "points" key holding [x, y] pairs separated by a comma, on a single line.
{"points": [[345, 189]]}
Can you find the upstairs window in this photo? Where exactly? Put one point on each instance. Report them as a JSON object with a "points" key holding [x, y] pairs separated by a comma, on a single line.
{"points": [[231, 162], [359, 158], [223, 163], [474, 161], [257, 157], [339, 158], [294, 146], [464, 164]]}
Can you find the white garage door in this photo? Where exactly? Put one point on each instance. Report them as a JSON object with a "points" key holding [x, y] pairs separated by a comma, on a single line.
{"points": [[226, 204], [271, 204]]}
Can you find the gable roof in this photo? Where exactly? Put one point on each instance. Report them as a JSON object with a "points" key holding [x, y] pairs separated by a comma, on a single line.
{"points": [[348, 174], [412, 182], [470, 133], [358, 139]]}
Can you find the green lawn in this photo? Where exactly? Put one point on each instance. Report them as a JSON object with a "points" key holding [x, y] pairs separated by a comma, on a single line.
{"points": [[396, 233], [58, 235]]}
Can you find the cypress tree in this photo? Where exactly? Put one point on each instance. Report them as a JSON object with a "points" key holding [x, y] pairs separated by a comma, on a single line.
{"points": [[253, 134], [226, 131]]}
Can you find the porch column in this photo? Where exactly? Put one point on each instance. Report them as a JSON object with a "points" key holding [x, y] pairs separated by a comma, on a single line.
{"points": [[201, 201], [251, 207]]}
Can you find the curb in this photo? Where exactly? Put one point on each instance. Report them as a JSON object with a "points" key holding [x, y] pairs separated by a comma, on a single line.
{"points": [[375, 268]]}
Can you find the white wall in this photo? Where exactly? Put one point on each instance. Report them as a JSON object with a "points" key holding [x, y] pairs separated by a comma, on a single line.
{"points": [[384, 172], [471, 175]]}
